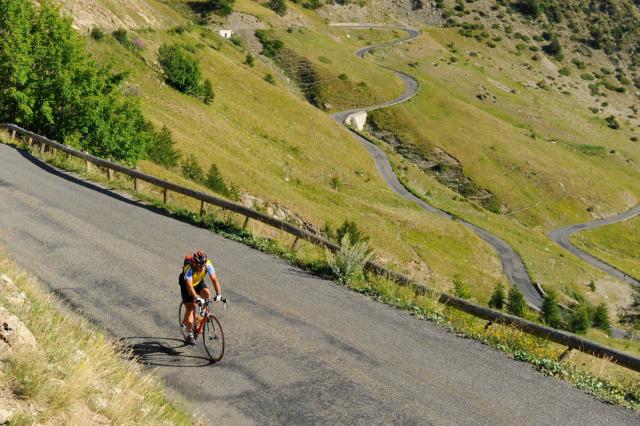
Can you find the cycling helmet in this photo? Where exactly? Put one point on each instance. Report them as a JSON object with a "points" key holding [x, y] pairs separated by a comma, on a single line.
{"points": [[199, 258]]}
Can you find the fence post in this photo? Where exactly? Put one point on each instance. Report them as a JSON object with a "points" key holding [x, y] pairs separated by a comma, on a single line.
{"points": [[294, 246], [110, 174], [246, 222], [564, 354]]}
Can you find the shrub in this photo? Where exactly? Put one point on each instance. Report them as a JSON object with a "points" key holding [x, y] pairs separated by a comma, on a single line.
{"points": [[97, 34], [553, 48], [351, 228], [248, 60], [516, 304], [529, 8], [601, 318], [460, 288], [564, 71], [121, 36], [343, 77], [612, 123], [278, 6], [191, 169], [580, 318], [269, 79], [497, 297], [579, 64], [221, 7], [161, 150], [347, 263], [181, 69], [270, 47], [586, 76], [550, 314]]}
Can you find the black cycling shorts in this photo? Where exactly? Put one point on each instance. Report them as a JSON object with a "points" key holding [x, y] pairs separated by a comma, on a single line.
{"points": [[186, 296]]}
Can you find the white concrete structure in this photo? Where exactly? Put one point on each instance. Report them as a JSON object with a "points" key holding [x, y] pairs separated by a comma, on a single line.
{"points": [[226, 33], [357, 120]]}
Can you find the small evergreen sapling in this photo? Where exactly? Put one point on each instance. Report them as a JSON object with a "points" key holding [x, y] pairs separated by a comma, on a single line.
{"points": [[497, 297], [516, 304]]}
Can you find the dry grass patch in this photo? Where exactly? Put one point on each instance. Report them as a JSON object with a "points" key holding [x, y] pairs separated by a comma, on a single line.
{"points": [[77, 374]]}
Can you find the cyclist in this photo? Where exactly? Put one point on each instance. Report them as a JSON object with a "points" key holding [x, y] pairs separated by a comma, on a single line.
{"points": [[193, 287]]}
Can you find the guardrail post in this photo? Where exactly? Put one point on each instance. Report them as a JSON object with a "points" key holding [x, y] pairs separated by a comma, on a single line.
{"points": [[87, 166], [564, 354], [110, 174], [42, 147], [294, 246], [202, 210], [30, 141], [487, 325], [12, 134], [165, 196], [246, 222]]}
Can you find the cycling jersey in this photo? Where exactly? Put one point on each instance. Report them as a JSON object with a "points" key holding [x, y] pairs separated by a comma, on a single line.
{"points": [[197, 277]]}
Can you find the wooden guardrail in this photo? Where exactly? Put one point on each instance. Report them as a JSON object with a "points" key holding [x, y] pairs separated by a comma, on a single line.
{"points": [[570, 340]]}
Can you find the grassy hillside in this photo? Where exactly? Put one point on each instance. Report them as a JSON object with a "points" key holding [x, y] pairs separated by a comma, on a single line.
{"points": [[277, 146], [546, 158], [521, 126]]}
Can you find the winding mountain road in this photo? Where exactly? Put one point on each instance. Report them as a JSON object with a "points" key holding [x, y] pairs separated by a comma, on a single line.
{"points": [[562, 235], [511, 262], [300, 350]]}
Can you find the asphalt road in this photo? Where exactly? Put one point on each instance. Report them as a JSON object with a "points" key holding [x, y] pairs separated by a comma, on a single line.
{"points": [[300, 350], [512, 264], [562, 235]]}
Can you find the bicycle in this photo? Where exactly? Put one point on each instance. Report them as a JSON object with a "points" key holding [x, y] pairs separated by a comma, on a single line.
{"points": [[209, 326]]}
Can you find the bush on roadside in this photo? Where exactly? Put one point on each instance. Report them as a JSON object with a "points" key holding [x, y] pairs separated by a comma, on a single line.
{"points": [[516, 304], [347, 263]]}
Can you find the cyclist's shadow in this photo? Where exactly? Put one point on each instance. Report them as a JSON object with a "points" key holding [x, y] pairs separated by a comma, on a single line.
{"points": [[163, 352]]}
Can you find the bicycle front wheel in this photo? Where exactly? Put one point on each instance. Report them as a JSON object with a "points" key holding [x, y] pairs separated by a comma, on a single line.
{"points": [[213, 338], [181, 311]]}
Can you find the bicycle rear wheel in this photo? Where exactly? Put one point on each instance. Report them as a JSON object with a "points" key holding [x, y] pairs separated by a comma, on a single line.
{"points": [[213, 338]]}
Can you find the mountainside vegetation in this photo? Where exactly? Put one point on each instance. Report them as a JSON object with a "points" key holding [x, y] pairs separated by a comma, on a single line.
{"points": [[522, 123]]}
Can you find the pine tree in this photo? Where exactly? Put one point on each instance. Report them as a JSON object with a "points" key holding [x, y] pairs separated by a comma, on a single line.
{"points": [[497, 297], [215, 182], [207, 92], [516, 304], [580, 318], [601, 318], [191, 169], [631, 314], [550, 314], [161, 150]]}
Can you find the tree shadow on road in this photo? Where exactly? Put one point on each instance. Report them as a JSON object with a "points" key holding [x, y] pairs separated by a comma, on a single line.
{"points": [[163, 352]]}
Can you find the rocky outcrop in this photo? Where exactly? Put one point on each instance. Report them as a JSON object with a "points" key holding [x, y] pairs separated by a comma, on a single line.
{"points": [[436, 162], [12, 293], [14, 335], [277, 211]]}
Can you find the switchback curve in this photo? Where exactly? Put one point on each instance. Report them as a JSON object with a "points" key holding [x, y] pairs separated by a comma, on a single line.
{"points": [[561, 236], [512, 264]]}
